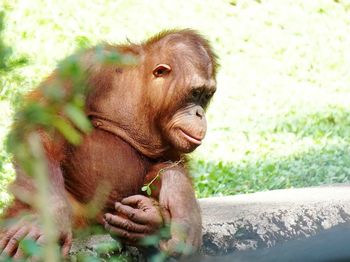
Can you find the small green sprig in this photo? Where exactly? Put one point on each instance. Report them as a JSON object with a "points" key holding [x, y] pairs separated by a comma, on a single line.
{"points": [[147, 187]]}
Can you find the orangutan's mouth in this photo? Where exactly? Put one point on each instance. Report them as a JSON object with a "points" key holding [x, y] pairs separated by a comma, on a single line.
{"points": [[191, 138]]}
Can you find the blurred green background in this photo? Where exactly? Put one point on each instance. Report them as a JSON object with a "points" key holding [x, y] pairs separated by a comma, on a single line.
{"points": [[281, 115]]}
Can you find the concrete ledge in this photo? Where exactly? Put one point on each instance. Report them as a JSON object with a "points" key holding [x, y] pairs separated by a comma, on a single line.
{"points": [[262, 219]]}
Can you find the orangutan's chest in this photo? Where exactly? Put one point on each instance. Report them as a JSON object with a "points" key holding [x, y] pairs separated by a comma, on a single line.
{"points": [[104, 166]]}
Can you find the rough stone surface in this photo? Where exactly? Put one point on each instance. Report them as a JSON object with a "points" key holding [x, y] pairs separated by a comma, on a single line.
{"points": [[266, 218], [262, 219]]}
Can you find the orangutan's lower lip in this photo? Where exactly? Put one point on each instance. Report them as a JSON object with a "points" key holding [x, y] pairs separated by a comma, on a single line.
{"points": [[190, 138]]}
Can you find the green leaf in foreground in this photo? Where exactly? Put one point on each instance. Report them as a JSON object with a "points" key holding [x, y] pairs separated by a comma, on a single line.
{"points": [[70, 133], [77, 116], [30, 247]]}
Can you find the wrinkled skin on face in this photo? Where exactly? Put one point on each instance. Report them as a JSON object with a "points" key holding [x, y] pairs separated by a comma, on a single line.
{"points": [[184, 75], [146, 118]]}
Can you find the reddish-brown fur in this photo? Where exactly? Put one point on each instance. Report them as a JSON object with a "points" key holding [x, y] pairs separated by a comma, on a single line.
{"points": [[145, 117]]}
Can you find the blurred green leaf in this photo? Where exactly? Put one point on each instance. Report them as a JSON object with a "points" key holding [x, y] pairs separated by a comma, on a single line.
{"points": [[78, 117], [70, 68], [82, 42], [30, 247], [113, 57], [67, 130], [5, 51], [53, 92], [34, 113], [152, 240]]}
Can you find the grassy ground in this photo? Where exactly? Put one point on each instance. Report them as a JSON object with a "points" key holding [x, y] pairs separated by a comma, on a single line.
{"points": [[281, 116]]}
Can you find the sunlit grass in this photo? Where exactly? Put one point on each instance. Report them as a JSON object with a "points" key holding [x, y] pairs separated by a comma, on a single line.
{"points": [[280, 117]]}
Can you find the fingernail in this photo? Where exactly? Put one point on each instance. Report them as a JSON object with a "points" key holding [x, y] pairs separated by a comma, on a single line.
{"points": [[107, 217]]}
